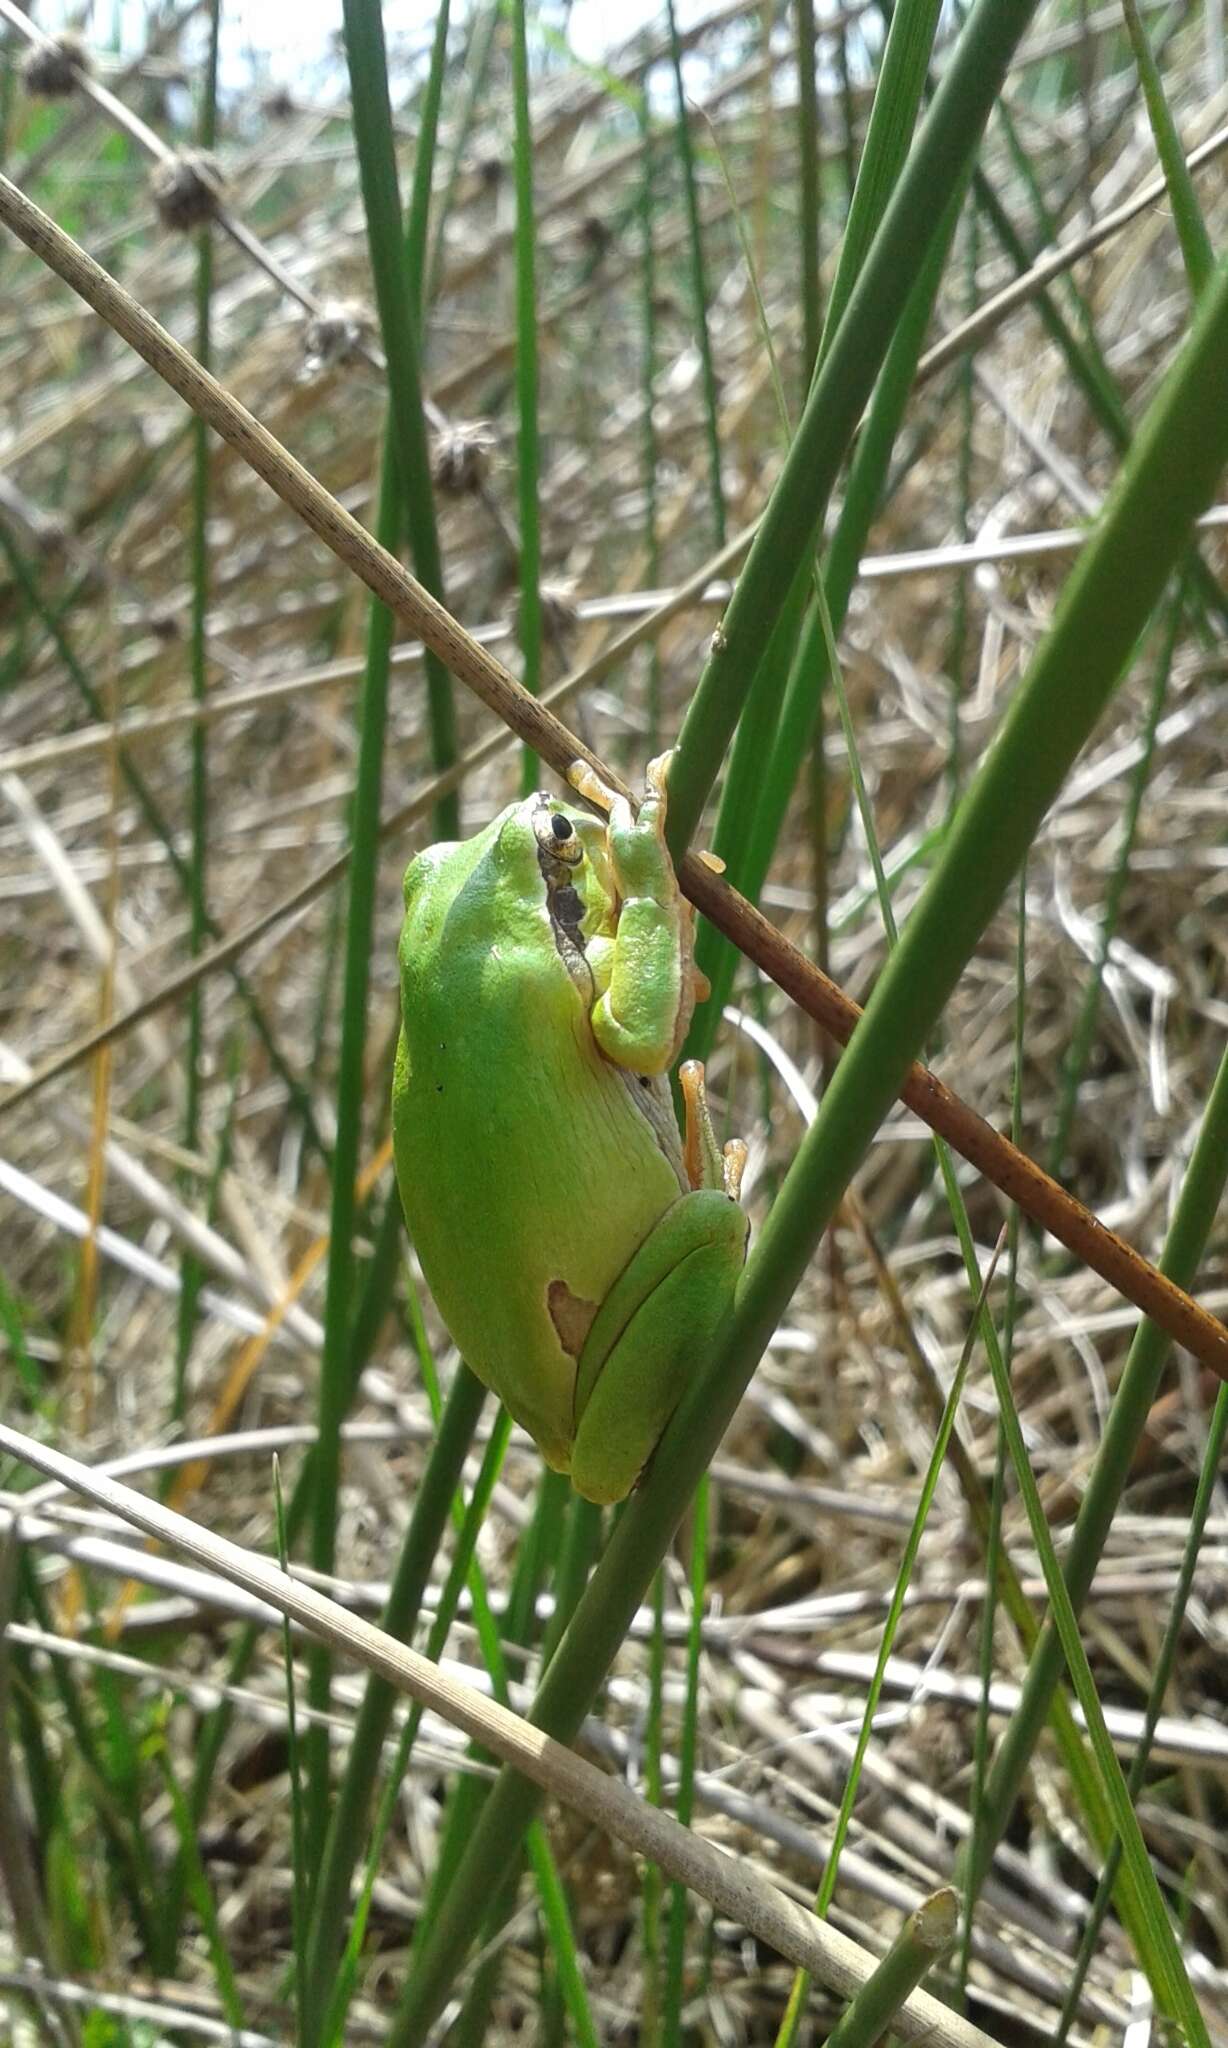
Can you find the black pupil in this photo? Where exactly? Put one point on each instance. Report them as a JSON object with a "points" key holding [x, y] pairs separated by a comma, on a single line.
{"points": [[561, 827]]}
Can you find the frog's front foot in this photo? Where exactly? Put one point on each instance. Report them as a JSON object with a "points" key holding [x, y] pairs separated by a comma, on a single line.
{"points": [[583, 776]]}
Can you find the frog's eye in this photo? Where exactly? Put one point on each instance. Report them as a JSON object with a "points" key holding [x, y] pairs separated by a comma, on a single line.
{"points": [[557, 838]]}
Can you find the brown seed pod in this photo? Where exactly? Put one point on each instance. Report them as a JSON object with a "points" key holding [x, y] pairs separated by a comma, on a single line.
{"points": [[560, 611], [187, 189], [560, 614], [53, 70], [460, 460], [335, 334], [596, 235]]}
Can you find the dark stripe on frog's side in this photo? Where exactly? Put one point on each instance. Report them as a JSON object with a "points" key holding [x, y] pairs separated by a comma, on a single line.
{"points": [[566, 912], [650, 1095]]}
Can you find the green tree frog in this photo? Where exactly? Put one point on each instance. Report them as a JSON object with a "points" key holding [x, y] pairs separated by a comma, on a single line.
{"points": [[579, 1252]]}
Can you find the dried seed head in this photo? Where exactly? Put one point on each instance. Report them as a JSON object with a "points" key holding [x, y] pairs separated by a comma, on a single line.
{"points": [[45, 534], [335, 334], [279, 105], [187, 189], [54, 69], [51, 537], [667, 306], [596, 235], [560, 612], [461, 458]]}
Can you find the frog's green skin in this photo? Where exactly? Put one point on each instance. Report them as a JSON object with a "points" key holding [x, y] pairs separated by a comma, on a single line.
{"points": [[546, 983]]}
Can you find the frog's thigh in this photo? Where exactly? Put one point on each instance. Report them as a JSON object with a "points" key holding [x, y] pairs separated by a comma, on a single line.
{"points": [[650, 1334]]}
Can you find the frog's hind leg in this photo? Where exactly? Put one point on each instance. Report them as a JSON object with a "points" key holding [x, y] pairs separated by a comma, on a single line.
{"points": [[654, 1330]]}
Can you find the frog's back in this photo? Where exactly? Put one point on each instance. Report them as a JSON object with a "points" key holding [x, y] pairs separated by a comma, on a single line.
{"points": [[528, 1173]]}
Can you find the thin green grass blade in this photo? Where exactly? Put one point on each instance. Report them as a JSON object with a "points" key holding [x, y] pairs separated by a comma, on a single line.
{"points": [[1083, 1037], [898, 93], [18, 1353], [372, 1309], [490, 1907], [21, 1859], [334, 1388], [895, 111], [1166, 1968], [121, 1760], [201, 1892], [561, 1938], [128, 1857], [755, 798], [1083, 357], [809, 216], [298, 1831], [957, 658], [396, 298], [1208, 1481], [925, 1938], [348, 1825], [651, 1886], [476, 70], [648, 374], [848, 108], [528, 450], [404, 484], [198, 798], [800, 1990], [1201, 1193], [994, 1553], [192, 1270], [757, 727], [469, 1520], [699, 285], [684, 1802], [860, 339], [417, 221], [1196, 251]]}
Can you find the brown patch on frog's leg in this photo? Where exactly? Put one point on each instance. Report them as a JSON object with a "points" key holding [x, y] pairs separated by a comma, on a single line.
{"points": [[571, 1315]]}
